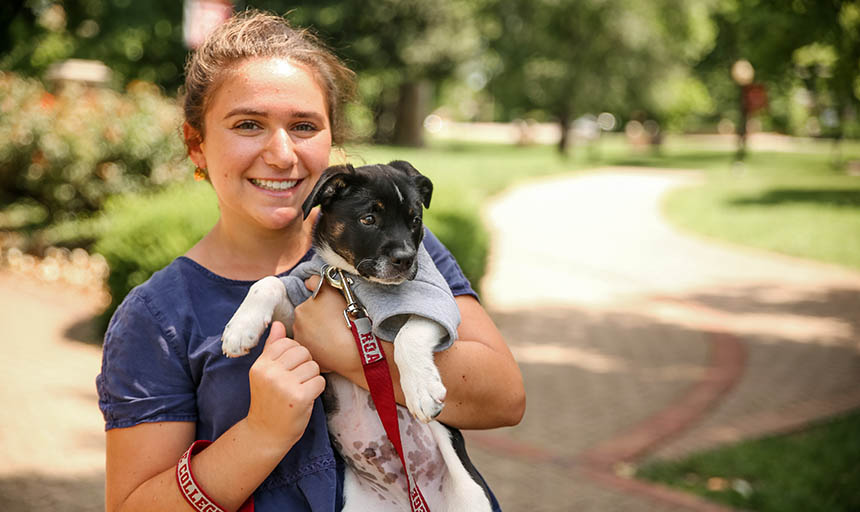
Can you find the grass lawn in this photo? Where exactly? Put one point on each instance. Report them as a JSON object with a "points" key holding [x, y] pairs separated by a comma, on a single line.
{"points": [[817, 470], [794, 203]]}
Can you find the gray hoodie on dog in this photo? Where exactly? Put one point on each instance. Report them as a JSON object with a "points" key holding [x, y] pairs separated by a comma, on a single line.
{"points": [[389, 306]]}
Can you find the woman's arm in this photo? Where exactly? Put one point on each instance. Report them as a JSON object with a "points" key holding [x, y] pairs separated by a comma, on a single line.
{"points": [[484, 383], [141, 460]]}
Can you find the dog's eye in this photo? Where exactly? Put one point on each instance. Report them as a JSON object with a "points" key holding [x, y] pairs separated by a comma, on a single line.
{"points": [[416, 222], [368, 220]]}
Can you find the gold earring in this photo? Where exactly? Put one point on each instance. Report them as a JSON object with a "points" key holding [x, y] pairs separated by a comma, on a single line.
{"points": [[199, 174]]}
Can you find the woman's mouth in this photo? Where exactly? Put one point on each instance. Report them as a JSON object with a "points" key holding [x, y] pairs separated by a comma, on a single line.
{"points": [[274, 185]]}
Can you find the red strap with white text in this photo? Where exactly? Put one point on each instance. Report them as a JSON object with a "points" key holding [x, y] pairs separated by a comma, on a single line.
{"points": [[382, 392], [190, 489]]}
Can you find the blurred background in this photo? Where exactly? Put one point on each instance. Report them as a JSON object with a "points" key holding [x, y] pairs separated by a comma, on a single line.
{"points": [[709, 353]]}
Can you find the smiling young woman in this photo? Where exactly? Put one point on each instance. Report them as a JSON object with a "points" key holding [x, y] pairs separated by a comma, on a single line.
{"points": [[267, 141], [263, 106]]}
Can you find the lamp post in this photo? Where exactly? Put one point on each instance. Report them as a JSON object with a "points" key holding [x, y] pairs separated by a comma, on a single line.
{"points": [[742, 73]]}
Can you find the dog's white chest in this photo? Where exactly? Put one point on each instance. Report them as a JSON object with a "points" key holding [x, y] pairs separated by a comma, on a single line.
{"points": [[377, 472]]}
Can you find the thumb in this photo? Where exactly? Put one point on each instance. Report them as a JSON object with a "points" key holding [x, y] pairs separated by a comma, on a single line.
{"points": [[277, 332], [313, 282]]}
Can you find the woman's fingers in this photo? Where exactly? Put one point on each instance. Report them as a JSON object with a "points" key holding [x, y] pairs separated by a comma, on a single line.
{"points": [[306, 371], [277, 342]]}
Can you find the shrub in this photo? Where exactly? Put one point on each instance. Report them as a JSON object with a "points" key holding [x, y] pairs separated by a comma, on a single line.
{"points": [[465, 236], [140, 234], [67, 152]]}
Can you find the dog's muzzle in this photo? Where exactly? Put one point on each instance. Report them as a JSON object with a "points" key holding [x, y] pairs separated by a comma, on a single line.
{"points": [[395, 268]]}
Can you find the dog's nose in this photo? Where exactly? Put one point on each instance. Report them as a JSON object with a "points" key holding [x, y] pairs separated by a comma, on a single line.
{"points": [[402, 259]]}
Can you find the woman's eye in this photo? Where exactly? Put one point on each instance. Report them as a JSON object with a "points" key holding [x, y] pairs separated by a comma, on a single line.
{"points": [[368, 220], [247, 125], [305, 127]]}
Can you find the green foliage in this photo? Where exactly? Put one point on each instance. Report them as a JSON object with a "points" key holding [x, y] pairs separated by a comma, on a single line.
{"points": [[138, 40], [391, 44], [139, 234], [465, 236], [820, 63], [811, 471], [68, 152], [572, 57]]}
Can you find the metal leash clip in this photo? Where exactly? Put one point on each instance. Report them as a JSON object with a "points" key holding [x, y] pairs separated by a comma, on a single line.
{"points": [[339, 281]]}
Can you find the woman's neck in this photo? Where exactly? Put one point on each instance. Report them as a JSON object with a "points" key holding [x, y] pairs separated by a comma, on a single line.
{"points": [[248, 254]]}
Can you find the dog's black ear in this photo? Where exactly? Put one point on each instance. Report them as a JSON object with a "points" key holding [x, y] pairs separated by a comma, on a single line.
{"points": [[332, 181], [422, 183]]}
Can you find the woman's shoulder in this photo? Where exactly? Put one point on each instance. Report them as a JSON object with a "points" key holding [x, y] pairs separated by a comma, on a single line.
{"points": [[153, 300], [167, 284], [169, 294]]}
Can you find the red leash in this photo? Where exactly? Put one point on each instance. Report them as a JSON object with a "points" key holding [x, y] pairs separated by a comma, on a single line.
{"points": [[377, 374]]}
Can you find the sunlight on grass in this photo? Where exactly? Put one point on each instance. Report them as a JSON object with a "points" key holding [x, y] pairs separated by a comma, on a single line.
{"points": [[800, 209], [811, 471]]}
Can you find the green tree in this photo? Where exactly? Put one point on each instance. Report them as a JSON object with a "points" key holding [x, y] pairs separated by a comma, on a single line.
{"points": [[566, 58], [811, 44], [137, 40], [401, 50]]}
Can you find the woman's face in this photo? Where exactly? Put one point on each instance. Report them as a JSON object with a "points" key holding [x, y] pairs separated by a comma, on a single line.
{"points": [[267, 140]]}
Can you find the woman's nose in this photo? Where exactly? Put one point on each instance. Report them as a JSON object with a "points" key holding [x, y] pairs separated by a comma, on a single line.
{"points": [[280, 151]]}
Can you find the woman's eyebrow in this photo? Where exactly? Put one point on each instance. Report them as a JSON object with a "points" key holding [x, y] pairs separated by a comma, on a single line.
{"points": [[245, 111]]}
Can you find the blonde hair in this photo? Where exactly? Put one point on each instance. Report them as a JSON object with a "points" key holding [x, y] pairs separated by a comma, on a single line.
{"points": [[253, 34]]}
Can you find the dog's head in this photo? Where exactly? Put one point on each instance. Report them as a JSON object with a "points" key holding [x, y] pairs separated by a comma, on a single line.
{"points": [[371, 219]]}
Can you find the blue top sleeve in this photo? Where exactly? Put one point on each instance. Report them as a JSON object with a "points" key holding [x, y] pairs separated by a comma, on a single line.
{"points": [[144, 376]]}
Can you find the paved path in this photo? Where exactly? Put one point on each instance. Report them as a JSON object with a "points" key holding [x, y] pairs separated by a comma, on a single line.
{"points": [[51, 432], [635, 341]]}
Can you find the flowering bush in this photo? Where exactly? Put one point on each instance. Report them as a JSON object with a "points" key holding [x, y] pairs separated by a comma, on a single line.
{"points": [[69, 151]]}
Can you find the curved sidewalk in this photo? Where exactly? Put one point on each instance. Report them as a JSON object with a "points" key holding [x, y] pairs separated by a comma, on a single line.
{"points": [[636, 340]]}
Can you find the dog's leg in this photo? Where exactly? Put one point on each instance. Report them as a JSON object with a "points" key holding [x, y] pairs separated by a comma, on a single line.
{"points": [[462, 493], [419, 377], [266, 299]]}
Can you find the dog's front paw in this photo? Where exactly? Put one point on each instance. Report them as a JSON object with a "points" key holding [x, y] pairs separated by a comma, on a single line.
{"points": [[243, 331], [424, 392]]}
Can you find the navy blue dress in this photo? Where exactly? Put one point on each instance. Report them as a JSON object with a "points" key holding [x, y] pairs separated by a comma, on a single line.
{"points": [[162, 361]]}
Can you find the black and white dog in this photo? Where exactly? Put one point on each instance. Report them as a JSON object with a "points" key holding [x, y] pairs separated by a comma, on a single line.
{"points": [[370, 226]]}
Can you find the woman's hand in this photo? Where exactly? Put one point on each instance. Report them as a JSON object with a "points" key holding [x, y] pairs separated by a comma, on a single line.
{"points": [[141, 460], [320, 326], [484, 383], [285, 381]]}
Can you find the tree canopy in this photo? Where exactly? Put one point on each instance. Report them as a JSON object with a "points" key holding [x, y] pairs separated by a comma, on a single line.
{"points": [[547, 59]]}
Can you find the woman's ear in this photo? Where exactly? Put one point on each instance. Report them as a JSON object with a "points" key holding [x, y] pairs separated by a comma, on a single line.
{"points": [[193, 143]]}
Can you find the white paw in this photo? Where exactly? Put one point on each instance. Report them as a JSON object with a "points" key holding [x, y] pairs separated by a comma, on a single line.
{"points": [[424, 391], [243, 331]]}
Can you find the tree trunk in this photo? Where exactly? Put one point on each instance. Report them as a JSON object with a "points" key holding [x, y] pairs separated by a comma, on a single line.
{"points": [[564, 140], [411, 111]]}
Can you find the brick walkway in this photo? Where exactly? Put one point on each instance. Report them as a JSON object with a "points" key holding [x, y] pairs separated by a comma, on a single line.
{"points": [[635, 341]]}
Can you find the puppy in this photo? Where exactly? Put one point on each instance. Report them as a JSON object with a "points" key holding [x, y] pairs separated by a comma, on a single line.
{"points": [[370, 226]]}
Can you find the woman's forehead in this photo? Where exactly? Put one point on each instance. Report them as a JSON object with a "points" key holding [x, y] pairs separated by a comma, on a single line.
{"points": [[269, 85]]}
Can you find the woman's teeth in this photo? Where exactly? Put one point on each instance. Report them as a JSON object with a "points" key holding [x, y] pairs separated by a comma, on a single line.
{"points": [[274, 185]]}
